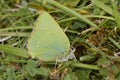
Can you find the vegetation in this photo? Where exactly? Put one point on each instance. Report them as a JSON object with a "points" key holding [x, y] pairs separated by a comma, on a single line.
{"points": [[93, 29]]}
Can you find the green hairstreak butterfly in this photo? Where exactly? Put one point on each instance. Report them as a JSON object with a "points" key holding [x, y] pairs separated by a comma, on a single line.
{"points": [[47, 41]]}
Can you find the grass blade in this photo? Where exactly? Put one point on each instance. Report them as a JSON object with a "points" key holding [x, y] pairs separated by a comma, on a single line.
{"points": [[114, 42], [14, 50], [24, 34], [87, 66], [70, 11], [116, 13], [102, 6]]}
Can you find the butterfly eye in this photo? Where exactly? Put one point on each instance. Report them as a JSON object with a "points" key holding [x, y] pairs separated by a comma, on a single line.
{"points": [[73, 49]]}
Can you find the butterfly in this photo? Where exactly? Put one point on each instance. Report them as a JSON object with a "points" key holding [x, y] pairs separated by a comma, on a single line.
{"points": [[48, 42]]}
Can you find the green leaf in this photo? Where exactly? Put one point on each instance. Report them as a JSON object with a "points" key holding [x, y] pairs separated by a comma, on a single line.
{"points": [[107, 68], [118, 76], [83, 74], [24, 11], [67, 77], [43, 71], [10, 73], [70, 75], [31, 67], [77, 25], [87, 58], [103, 62], [104, 72], [1, 78]]}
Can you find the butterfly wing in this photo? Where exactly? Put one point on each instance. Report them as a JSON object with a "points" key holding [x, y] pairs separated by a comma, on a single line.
{"points": [[47, 41]]}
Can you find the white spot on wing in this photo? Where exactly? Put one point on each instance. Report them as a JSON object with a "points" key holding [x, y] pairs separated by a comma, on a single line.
{"points": [[48, 32], [37, 46], [38, 42]]}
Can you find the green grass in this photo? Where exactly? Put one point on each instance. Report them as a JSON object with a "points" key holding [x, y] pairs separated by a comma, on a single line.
{"points": [[92, 26]]}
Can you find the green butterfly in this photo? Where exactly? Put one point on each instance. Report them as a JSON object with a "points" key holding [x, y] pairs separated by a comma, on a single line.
{"points": [[48, 42]]}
